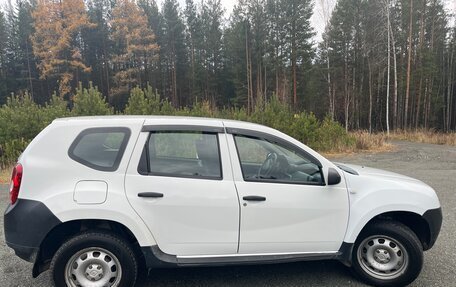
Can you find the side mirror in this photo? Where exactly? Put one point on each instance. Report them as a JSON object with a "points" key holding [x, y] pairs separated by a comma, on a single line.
{"points": [[333, 176]]}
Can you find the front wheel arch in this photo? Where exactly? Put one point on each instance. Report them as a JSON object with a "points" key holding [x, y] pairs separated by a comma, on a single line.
{"points": [[412, 220]]}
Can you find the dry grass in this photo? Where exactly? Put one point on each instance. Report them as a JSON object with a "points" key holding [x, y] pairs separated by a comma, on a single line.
{"points": [[5, 175], [364, 142], [425, 136], [379, 142]]}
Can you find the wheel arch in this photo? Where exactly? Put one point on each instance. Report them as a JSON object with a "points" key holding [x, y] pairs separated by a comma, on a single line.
{"points": [[411, 219], [62, 232]]}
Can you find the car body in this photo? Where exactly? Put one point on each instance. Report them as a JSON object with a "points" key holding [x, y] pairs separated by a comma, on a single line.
{"points": [[181, 191]]}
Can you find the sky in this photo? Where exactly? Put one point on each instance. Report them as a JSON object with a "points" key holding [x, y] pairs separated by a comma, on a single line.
{"points": [[317, 20]]}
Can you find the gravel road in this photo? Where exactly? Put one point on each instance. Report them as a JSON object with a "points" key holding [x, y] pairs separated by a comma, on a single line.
{"points": [[433, 164]]}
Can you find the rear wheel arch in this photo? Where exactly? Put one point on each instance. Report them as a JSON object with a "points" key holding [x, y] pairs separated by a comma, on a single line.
{"points": [[61, 233], [95, 258]]}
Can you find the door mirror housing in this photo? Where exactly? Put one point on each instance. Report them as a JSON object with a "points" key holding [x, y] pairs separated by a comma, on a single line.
{"points": [[333, 176]]}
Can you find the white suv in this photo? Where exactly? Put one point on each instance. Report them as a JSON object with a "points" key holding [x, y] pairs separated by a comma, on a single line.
{"points": [[96, 198]]}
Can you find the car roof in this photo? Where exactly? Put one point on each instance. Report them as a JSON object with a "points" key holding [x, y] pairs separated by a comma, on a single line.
{"points": [[159, 119]]}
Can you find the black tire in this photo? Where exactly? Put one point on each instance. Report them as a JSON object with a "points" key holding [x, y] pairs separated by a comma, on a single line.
{"points": [[382, 243], [113, 246]]}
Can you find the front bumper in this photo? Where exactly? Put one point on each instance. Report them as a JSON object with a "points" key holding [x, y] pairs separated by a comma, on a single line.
{"points": [[433, 218], [26, 224]]}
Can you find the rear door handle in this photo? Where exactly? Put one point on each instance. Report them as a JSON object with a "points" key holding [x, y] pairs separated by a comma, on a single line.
{"points": [[254, 198], [150, 194]]}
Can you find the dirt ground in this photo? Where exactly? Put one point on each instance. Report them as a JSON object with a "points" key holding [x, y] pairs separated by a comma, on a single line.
{"points": [[433, 164]]}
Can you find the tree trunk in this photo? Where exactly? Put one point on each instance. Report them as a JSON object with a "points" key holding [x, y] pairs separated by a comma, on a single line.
{"points": [[370, 95], [293, 66], [449, 88], [389, 69], [328, 79], [420, 59], [247, 68], [409, 64], [393, 43]]}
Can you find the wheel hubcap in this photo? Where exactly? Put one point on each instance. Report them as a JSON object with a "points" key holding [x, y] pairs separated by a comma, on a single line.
{"points": [[382, 257], [95, 267], [94, 272]]}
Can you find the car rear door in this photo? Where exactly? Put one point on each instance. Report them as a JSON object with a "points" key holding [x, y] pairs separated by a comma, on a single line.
{"points": [[289, 209], [180, 182]]}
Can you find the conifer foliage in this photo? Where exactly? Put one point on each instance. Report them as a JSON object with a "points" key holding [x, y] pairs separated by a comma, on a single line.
{"points": [[380, 64]]}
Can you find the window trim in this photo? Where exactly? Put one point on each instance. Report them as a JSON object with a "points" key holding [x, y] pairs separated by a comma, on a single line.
{"points": [[182, 128], [282, 143], [144, 162], [126, 131]]}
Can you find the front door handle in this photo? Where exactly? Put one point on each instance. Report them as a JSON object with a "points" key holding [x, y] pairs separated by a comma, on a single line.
{"points": [[150, 194], [254, 198]]}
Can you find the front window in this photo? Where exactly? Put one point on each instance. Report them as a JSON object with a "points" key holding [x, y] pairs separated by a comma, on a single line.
{"points": [[262, 160]]}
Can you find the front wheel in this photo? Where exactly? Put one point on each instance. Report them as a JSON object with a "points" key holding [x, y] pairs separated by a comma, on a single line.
{"points": [[94, 259], [388, 253]]}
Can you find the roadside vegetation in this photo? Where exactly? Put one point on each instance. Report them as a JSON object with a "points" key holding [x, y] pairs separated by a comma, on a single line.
{"points": [[22, 119], [425, 136]]}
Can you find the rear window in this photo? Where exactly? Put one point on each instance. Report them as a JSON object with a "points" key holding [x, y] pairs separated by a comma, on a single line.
{"points": [[100, 148], [184, 154]]}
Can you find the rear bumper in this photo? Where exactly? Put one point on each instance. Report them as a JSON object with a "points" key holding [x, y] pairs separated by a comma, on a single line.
{"points": [[26, 224], [24, 252], [433, 218]]}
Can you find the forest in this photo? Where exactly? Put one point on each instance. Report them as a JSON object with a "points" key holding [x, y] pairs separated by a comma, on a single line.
{"points": [[381, 64]]}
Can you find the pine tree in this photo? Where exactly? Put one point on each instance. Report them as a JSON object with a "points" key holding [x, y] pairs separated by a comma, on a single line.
{"points": [[135, 50], [212, 13], [299, 34], [173, 53], [97, 44], [57, 41], [154, 19], [194, 44]]}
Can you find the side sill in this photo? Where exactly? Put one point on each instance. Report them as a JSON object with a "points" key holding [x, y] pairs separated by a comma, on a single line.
{"points": [[155, 258]]}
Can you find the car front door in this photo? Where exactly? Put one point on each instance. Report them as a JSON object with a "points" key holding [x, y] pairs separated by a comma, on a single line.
{"points": [[184, 191], [286, 207]]}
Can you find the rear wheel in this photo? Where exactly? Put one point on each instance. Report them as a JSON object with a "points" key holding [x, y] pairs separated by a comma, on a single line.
{"points": [[94, 259], [388, 254]]}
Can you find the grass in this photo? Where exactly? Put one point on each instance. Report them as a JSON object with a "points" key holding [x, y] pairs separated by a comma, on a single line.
{"points": [[363, 142], [425, 136], [380, 142], [5, 175]]}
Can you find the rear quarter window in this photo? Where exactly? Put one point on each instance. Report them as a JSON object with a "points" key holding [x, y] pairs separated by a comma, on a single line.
{"points": [[100, 148]]}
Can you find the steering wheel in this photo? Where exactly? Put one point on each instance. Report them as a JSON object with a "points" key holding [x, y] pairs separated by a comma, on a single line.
{"points": [[267, 167]]}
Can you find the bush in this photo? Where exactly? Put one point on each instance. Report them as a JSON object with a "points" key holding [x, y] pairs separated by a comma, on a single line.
{"points": [[90, 102], [11, 150], [333, 137], [21, 119], [143, 102]]}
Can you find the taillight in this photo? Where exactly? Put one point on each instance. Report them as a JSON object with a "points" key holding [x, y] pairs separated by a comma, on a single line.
{"points": [[16, 179]]}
